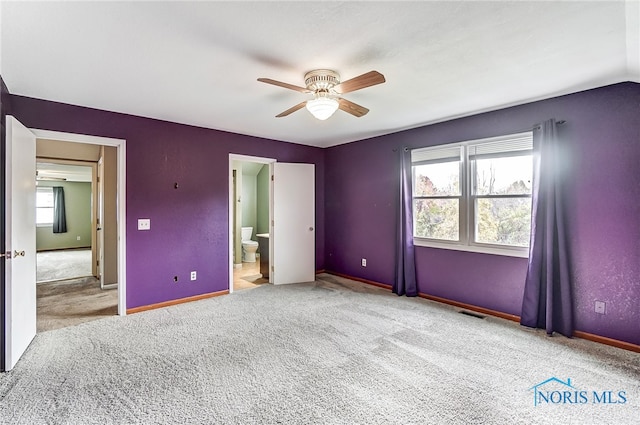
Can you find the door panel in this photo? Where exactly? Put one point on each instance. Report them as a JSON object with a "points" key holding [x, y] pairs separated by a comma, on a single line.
{"points": [[293, 226], [20, 221]]}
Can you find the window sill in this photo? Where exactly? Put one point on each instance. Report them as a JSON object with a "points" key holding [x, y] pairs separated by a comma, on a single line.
{"points": [[507, 252], [44, 225]]}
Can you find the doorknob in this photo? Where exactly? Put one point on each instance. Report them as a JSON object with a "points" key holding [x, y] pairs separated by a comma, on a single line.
{"points": [[18, 254], [311, 229]]}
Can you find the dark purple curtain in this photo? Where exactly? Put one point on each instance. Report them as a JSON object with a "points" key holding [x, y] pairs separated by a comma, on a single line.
{"points": [[59, 214], [405, 281], [547, 301]]}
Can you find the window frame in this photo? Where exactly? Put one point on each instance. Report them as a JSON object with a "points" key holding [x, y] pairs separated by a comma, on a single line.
{"points": [[467, 222], [43, 189]]}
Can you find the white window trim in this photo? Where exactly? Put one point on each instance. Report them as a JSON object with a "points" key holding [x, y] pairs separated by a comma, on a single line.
{"points": [[44, 224], [507, 251], [466, 243]]}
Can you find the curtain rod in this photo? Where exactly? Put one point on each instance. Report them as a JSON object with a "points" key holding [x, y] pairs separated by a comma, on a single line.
{"points": [[559, 122]]}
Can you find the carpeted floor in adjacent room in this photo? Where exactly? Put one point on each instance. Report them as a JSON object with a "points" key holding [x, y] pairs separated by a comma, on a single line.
{"points": [[63, 264], [63, 303]]}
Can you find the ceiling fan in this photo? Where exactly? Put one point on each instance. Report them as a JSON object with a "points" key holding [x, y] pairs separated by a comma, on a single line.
{"points": [[326, 88], [49, 178]]}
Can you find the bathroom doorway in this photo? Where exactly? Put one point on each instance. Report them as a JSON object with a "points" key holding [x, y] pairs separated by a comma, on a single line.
{"points": [[249, 214], [286, 252]]}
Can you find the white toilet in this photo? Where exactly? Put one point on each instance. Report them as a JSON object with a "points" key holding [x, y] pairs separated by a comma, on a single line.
{"points": [[249, 247]]}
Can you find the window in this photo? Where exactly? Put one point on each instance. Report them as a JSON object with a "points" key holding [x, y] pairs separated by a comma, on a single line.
{"points": [[44, 206], [475, 195]]}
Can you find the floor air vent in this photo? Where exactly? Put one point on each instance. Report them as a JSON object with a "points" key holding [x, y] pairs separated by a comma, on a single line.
{"points": [[468, 313]]}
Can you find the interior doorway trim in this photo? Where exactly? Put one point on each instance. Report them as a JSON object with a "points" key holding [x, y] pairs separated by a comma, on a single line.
{"points": [[243, 158], [120, 144], [83, 163]]}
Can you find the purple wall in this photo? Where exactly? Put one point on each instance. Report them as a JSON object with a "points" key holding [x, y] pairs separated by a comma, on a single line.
{"points": [[603, 134], [189, 225], [356, 195]]}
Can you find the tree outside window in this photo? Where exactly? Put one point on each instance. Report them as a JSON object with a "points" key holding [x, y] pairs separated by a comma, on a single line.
{"points": [[474, 193]]}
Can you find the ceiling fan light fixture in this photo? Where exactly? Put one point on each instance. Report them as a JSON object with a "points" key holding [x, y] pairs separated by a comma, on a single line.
{"points": [[322, 107], [326, 88]]}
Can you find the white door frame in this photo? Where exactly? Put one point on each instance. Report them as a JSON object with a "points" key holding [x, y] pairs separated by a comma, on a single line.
{"points": [[246, 158], [120, 144]]}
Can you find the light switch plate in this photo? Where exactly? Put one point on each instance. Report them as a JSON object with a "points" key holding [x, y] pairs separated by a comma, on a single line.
{"points": [[144, 224]]}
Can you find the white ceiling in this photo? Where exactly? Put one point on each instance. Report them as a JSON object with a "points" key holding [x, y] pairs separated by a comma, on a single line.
{"points": [[197, 62]]}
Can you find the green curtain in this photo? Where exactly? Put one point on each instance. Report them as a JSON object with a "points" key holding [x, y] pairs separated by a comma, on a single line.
{"points": [[59, 216]]}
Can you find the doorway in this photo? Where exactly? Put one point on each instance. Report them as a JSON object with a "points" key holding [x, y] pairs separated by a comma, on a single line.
{"points": [[19, 282], [249, 212], [64, 192], [107, 158], [287, 249], [69, 263]]}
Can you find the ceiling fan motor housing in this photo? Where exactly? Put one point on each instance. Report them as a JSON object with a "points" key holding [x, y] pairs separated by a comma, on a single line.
{"points": [[321, 79]]}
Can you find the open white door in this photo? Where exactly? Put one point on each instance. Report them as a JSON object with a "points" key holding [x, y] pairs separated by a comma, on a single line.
{"points": [[20, 221], [293, 226]]}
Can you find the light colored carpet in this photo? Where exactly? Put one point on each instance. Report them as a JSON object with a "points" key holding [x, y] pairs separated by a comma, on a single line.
{"points": [[64, 264], [327, 352]]}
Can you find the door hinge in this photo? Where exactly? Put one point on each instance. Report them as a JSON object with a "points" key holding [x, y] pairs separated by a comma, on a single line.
{"points": [[271, 177], [6, 255], [273, 269], [272, 223], [97, 262]]}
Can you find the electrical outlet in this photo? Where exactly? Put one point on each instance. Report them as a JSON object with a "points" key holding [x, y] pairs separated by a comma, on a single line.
{"points": [[144, 224], [600, 307], [77, 238], [193, 275], [364, 262]]}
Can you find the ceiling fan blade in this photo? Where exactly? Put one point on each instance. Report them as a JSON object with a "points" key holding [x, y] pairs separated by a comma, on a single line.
{"points": [[285, 85], [352, 108], [369, 79], [292, 109]]}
